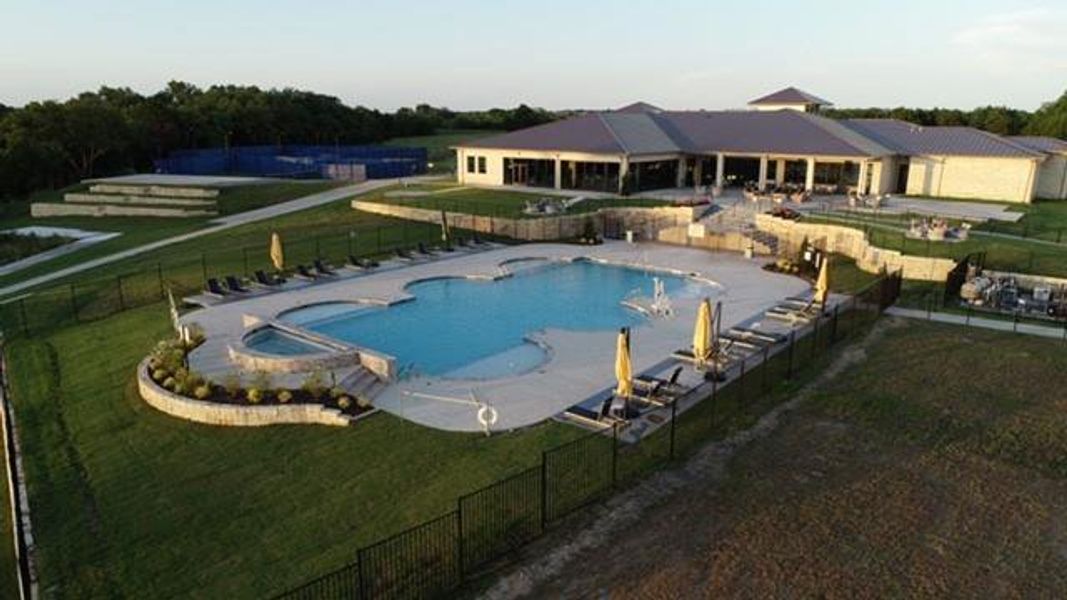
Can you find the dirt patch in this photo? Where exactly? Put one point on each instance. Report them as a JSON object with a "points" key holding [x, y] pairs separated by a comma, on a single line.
{"points": [[803, 505]]}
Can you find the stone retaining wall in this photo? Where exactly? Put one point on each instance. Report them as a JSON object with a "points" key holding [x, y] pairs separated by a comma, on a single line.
{"points": [[234, 415], [154, 190], [854, 244], [728, 241], [62, 209], [137, 200], [645, 222]]}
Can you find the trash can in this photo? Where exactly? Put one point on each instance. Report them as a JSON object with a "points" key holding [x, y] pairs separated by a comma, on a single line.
{"points": [[629, 236]]}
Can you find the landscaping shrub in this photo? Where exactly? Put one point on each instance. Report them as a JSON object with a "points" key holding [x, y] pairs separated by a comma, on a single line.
{"points": [[262, 380], [159, 375], [202, 391], [314, 384], [363, 402], [336, 392], [344, 402], [231, 382], [255, 395], [284, 396], [169, 383]]}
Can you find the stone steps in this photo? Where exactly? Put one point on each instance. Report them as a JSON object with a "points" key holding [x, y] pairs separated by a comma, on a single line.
{"points": [[153, 190], [74, 209], [135, 200], [362, 383]]}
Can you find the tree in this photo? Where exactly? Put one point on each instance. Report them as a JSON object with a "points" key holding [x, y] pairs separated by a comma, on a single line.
{"points": [[1050, 119]]}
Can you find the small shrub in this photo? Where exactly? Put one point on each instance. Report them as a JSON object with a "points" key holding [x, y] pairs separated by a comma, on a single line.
{"points": [[262, 380], [202, 391], [232, 384], [180, 388], [169, 383], [363, 402], [284, 396], [255, 395], [315, 383], [159, 375], [336, 393], [344, 402]]}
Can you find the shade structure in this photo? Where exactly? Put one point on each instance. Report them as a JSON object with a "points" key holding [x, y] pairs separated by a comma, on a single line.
{"points": [[702, 342], [277, 254], [446, 232], [623, 368], [822, 284]]}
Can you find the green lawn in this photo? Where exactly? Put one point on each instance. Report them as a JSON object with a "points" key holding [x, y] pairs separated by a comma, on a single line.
{"points": [[438, 146], [128, 501], [139, 231], [500, 203]]}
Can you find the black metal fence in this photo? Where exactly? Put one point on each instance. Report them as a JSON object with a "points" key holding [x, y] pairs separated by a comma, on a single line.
{"points": [[489, 524], [146, 282]]}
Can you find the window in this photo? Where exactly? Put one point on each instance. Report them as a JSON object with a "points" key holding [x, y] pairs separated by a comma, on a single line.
{"points": [[481, 164], [470, 164]]}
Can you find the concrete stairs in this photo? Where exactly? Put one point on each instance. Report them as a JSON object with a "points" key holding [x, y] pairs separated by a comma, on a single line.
{"points": [[768, 241], [362, 383], [103, 200]]}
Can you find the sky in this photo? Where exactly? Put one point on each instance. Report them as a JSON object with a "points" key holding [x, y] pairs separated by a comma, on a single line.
{"points": [[466, 54]]}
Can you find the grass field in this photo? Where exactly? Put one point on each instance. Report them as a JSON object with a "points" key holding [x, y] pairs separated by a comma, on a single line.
{"points": [[127, 500], [900, 476], [139, 231], [438, 146], [499, 203]]}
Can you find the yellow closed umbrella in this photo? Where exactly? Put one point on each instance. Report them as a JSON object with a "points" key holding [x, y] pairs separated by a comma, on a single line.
{"points": [[446, 231], [623, 369], [702, 333], [822, 284], [277, 254]]}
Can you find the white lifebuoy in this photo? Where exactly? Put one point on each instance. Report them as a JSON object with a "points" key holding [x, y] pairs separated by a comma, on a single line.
{"points": [[487, 416]]}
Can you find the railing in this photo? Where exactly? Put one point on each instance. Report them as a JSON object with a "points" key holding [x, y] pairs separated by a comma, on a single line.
{"points": [[491, 523]]}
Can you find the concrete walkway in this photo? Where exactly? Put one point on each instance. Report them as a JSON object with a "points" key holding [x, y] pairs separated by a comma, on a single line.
{"points": [[1059, 333], [220, 224]]}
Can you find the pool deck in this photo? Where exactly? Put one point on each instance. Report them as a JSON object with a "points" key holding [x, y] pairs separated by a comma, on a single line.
{"points": [[581, 364]]}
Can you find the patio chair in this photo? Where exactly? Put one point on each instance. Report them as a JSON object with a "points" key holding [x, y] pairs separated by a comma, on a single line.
{"points": [[214, 287], [268, 280], [323, 268], [362, 263], [649, 382], [235, 285], [304, 272], [403, 254], [477, 240], [421, 249]]}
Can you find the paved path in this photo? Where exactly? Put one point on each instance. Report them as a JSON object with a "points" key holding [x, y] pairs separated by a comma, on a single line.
{"points": [[995, 324], [220, 224]]}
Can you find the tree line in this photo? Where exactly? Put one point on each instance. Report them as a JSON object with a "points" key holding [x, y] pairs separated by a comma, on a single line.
{"points": [[47, 145], [1049, 120]]}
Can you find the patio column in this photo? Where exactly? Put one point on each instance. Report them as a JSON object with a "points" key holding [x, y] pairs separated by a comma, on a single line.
{"points": [[679, 180], [809, 177], [559, 174], [698, 172], [624, 170], [779, 171], [720, 165], [861, 183], [763, 172]]}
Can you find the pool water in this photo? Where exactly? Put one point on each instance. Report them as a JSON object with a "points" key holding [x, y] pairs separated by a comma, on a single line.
{"points": [[476, 329], [274, 341]]}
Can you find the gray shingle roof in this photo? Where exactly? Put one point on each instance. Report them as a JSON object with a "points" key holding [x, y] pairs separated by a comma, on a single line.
{"points": [[1041, 143], [790, 95], [583, 133], [910, 139], [639, 107]]}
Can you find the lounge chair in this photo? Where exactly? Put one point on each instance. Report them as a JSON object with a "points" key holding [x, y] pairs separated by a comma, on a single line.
{"points": [[477, 241], [403, 254], [303, 271], [462, 242], [421, 249], [362, 263], [235, 285], [649, 382], [268, 280], [214, 287], [323, 268]]}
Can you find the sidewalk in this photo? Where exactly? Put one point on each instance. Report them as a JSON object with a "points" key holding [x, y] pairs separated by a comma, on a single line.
{"points": [[1059, 333], [221, 224]]}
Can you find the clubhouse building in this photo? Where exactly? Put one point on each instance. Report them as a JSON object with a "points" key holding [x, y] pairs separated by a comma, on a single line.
{"points": [[781, 142]]}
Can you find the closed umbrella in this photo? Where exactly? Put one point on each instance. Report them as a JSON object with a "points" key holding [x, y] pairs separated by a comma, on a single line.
{"points": [[623, 368], [702, 342], [446, 232], [277, 254], [822, 284]]}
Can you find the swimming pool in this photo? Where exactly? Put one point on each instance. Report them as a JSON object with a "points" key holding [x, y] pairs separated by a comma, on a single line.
{"points": [[466, 328]]}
